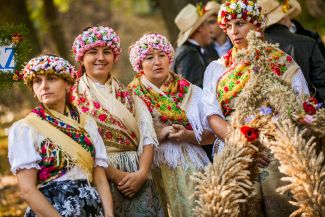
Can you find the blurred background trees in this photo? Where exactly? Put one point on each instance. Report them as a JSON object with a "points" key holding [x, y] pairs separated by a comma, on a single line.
{"points": [[53, 26], [55, 23]]}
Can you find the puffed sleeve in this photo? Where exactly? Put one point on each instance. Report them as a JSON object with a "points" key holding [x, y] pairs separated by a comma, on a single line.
{"points": [[22, 147], [299, 84], [101, 155], [209, 103]]}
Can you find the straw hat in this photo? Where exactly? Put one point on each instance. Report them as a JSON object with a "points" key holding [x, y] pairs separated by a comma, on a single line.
{"points": [[274, 11], [212, 5], [188, 20]]}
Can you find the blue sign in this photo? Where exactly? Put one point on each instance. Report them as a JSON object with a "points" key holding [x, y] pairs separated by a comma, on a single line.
{"points": [[7, 62]]}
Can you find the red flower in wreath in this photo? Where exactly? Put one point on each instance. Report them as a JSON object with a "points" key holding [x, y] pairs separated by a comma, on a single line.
{"points": [[16, 38], [309, 108], [313, 100], [250, 134]]}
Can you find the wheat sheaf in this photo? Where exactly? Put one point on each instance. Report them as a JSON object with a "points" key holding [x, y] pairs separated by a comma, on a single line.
{"points": [[227, 184]]}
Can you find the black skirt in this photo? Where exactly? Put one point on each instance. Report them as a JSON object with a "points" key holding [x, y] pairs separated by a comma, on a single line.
{"points": [[72, 198]]}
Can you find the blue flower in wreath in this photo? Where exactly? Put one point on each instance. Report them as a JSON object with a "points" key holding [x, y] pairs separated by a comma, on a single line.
{"points": [[264, 110]]}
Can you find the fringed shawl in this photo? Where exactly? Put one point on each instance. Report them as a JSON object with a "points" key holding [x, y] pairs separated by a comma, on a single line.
{"points": [[173, 102], [117, 113]]}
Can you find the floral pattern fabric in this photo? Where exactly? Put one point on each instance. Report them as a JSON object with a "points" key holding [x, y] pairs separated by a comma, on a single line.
{"points": [[56, 163], [237, 75], [113, 131], [175, 90], [72, 199]]}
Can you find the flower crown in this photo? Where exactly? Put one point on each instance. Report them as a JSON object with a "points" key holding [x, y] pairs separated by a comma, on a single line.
{"points": [[240, 9], [94, 37], [145, 45], [284, 5], [46, 65], [200, 8]]}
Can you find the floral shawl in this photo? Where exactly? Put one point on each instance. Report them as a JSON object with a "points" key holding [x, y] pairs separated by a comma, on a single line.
{"points": [[56, 160], [112, 128], [169, 100], [238, 74], [118, 114]]}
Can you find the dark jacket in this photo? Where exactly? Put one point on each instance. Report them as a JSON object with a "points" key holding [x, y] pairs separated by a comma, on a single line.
{"points": [[305, 52], [302, 31], [190, 63], [211, 53]]}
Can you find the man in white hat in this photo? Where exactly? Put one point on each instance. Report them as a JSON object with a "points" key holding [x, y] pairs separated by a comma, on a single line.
{"points": [[296, 27], [221, 44], [303, 49], [194, 35]]}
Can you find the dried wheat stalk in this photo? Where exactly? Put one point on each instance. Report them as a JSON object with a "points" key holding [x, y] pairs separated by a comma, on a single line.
{"points": [[303, 167], [225, 184], [220, 193]]}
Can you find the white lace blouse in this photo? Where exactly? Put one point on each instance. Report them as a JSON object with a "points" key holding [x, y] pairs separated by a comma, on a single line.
{"points": [[24, 140]]}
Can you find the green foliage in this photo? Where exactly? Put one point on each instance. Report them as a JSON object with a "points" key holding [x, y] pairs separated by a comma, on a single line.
{"points": [[36, 10], [14, 35], [63, 5]]}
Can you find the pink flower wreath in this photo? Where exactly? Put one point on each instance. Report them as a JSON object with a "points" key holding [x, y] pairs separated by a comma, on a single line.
{"points": [[97, 36], [145, 45]]}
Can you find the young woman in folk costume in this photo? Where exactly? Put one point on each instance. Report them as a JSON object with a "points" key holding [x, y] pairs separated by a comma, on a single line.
{"points": [[225, 79], [58, 149], [123, 120], [174, 101]]}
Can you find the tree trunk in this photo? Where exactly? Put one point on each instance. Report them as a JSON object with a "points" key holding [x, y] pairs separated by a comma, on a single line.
{"points": [[51, 15], [15, 12], [169, 10]]}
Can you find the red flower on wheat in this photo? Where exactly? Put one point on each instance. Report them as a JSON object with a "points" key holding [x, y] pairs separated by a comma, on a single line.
{"points": [[250, 133]]}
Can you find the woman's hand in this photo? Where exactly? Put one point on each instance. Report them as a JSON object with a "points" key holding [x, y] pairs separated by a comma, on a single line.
{"points": [[132, 183], [163, 132], [115, 175], [178, 133], [262, 160]]}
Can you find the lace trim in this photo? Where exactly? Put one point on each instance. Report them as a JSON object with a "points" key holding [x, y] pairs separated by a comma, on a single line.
{"points": [[101, 163], [25, 166]]}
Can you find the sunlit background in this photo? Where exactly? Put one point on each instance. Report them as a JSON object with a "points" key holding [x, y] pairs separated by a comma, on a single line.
{"points": [[54, 24]]}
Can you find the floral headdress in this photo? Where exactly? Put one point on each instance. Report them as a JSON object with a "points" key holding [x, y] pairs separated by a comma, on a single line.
{"points": [[285, 5], [145, 45], [201, 10], [94, 37], [47, 65], [240, 9]]}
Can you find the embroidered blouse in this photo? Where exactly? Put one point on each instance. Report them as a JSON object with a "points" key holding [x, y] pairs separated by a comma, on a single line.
{"points": [[26, 148]]}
